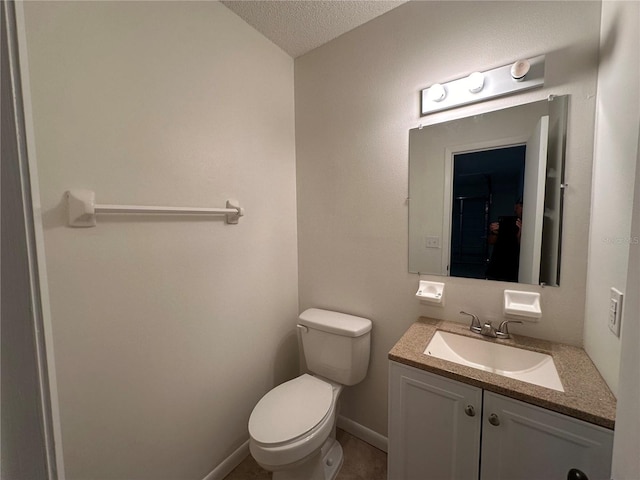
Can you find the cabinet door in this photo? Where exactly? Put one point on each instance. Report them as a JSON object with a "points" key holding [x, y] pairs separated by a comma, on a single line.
{"points": [[524, 442], [434, 426]]}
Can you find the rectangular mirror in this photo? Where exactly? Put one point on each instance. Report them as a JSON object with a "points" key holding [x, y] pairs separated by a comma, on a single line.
{"points": [[486, 194]]}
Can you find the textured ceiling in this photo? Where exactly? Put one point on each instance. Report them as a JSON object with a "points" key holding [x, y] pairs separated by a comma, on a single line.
{"points": [[298, 26]]}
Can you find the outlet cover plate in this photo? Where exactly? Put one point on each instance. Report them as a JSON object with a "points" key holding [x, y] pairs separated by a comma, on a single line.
{"points": [[615, 311]]}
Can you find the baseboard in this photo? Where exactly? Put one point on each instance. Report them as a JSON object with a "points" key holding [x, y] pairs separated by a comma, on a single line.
{"points": [[229, 463], [363, 433], [357, 430]]}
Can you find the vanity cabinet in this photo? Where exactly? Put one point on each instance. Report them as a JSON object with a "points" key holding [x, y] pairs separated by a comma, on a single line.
{"points": [[434, 426], [522, 441], [443, 429]]}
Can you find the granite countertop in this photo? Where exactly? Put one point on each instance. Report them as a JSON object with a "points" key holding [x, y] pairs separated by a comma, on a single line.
{"points": [[586, 394]]}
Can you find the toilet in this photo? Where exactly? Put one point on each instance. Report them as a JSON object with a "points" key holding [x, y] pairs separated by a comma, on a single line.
{"points": [[292, 428]]}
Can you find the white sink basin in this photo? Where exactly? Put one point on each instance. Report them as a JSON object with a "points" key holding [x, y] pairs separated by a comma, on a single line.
{"points": [[525, 365]]}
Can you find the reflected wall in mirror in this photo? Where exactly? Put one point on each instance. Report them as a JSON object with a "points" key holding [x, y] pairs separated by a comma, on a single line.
{"points": [[486, 194]]}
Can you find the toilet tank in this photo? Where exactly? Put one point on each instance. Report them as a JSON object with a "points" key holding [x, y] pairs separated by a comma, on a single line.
{"points": [[336, 345]]}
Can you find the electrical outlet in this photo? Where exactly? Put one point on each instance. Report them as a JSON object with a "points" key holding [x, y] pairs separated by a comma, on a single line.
{"points": [[615, 311]]}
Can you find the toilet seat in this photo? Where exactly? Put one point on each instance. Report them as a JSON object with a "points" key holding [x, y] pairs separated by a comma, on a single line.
{"points": [[290, 411]]}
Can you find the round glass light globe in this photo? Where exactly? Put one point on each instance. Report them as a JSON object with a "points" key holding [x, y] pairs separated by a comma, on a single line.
{"points": [[475, 82], [436, 93]]}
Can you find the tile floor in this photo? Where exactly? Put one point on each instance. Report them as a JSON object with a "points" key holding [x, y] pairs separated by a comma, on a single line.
{"points": [[361, 462]]}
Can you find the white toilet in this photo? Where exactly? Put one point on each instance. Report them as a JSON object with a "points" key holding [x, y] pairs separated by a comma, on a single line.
{"points": [[292, 428]]}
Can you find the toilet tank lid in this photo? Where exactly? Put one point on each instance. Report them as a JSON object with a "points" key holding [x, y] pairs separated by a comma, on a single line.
{"points": [[335, 322]]}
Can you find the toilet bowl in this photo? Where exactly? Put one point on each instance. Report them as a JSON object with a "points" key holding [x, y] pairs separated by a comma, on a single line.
{"points": [[292, 428], [293, 422]]}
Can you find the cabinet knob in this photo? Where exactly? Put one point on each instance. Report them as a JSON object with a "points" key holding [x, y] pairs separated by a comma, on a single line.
{"points": [[494, 420], [575, 474], [469, 410]]}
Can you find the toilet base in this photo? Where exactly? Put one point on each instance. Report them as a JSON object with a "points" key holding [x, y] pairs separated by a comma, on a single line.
{"points": [[323, 465], [332, 458]]}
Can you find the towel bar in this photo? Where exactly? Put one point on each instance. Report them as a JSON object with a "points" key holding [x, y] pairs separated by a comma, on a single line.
{"points": [[82, 209]]}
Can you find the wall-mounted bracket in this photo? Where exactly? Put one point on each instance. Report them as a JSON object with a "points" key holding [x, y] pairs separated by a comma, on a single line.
{"points": [[81, 206]]}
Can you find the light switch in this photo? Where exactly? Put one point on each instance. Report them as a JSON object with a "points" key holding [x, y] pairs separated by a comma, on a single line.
{"points": [[615, 311], [433, 242]]}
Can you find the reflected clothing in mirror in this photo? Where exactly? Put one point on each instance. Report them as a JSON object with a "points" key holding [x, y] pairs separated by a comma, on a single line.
{"points": [[505, 257]]}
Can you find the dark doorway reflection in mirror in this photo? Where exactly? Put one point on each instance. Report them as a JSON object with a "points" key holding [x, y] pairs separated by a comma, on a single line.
{"points": [[486, 213]]}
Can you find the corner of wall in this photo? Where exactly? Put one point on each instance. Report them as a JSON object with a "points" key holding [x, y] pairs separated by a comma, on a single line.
{"points": [[614, 168]]}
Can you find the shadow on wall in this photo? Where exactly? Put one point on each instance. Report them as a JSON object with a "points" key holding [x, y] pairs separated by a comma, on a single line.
{"points": [[286, 361], [610, 38], [563, 71]]}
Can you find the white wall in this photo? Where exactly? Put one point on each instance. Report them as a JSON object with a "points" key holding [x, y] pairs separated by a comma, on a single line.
{"points": [[617, 155], [356, 99], [613, 180], [166, 331], [626, 462]]}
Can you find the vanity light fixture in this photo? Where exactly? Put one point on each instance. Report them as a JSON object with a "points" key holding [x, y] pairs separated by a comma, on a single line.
{"points": [[524, 74]]}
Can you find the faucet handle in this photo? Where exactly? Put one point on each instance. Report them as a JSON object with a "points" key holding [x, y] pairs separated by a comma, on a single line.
{"points": [[503, 329], [475, 322]]}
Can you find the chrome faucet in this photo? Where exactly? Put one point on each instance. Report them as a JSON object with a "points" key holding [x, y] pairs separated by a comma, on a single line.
{"points": [[475, 322], [503, 329], [487, 329]]}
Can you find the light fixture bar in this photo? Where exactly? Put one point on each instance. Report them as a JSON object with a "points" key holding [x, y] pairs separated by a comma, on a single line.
{"points": [[498, 82]]}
